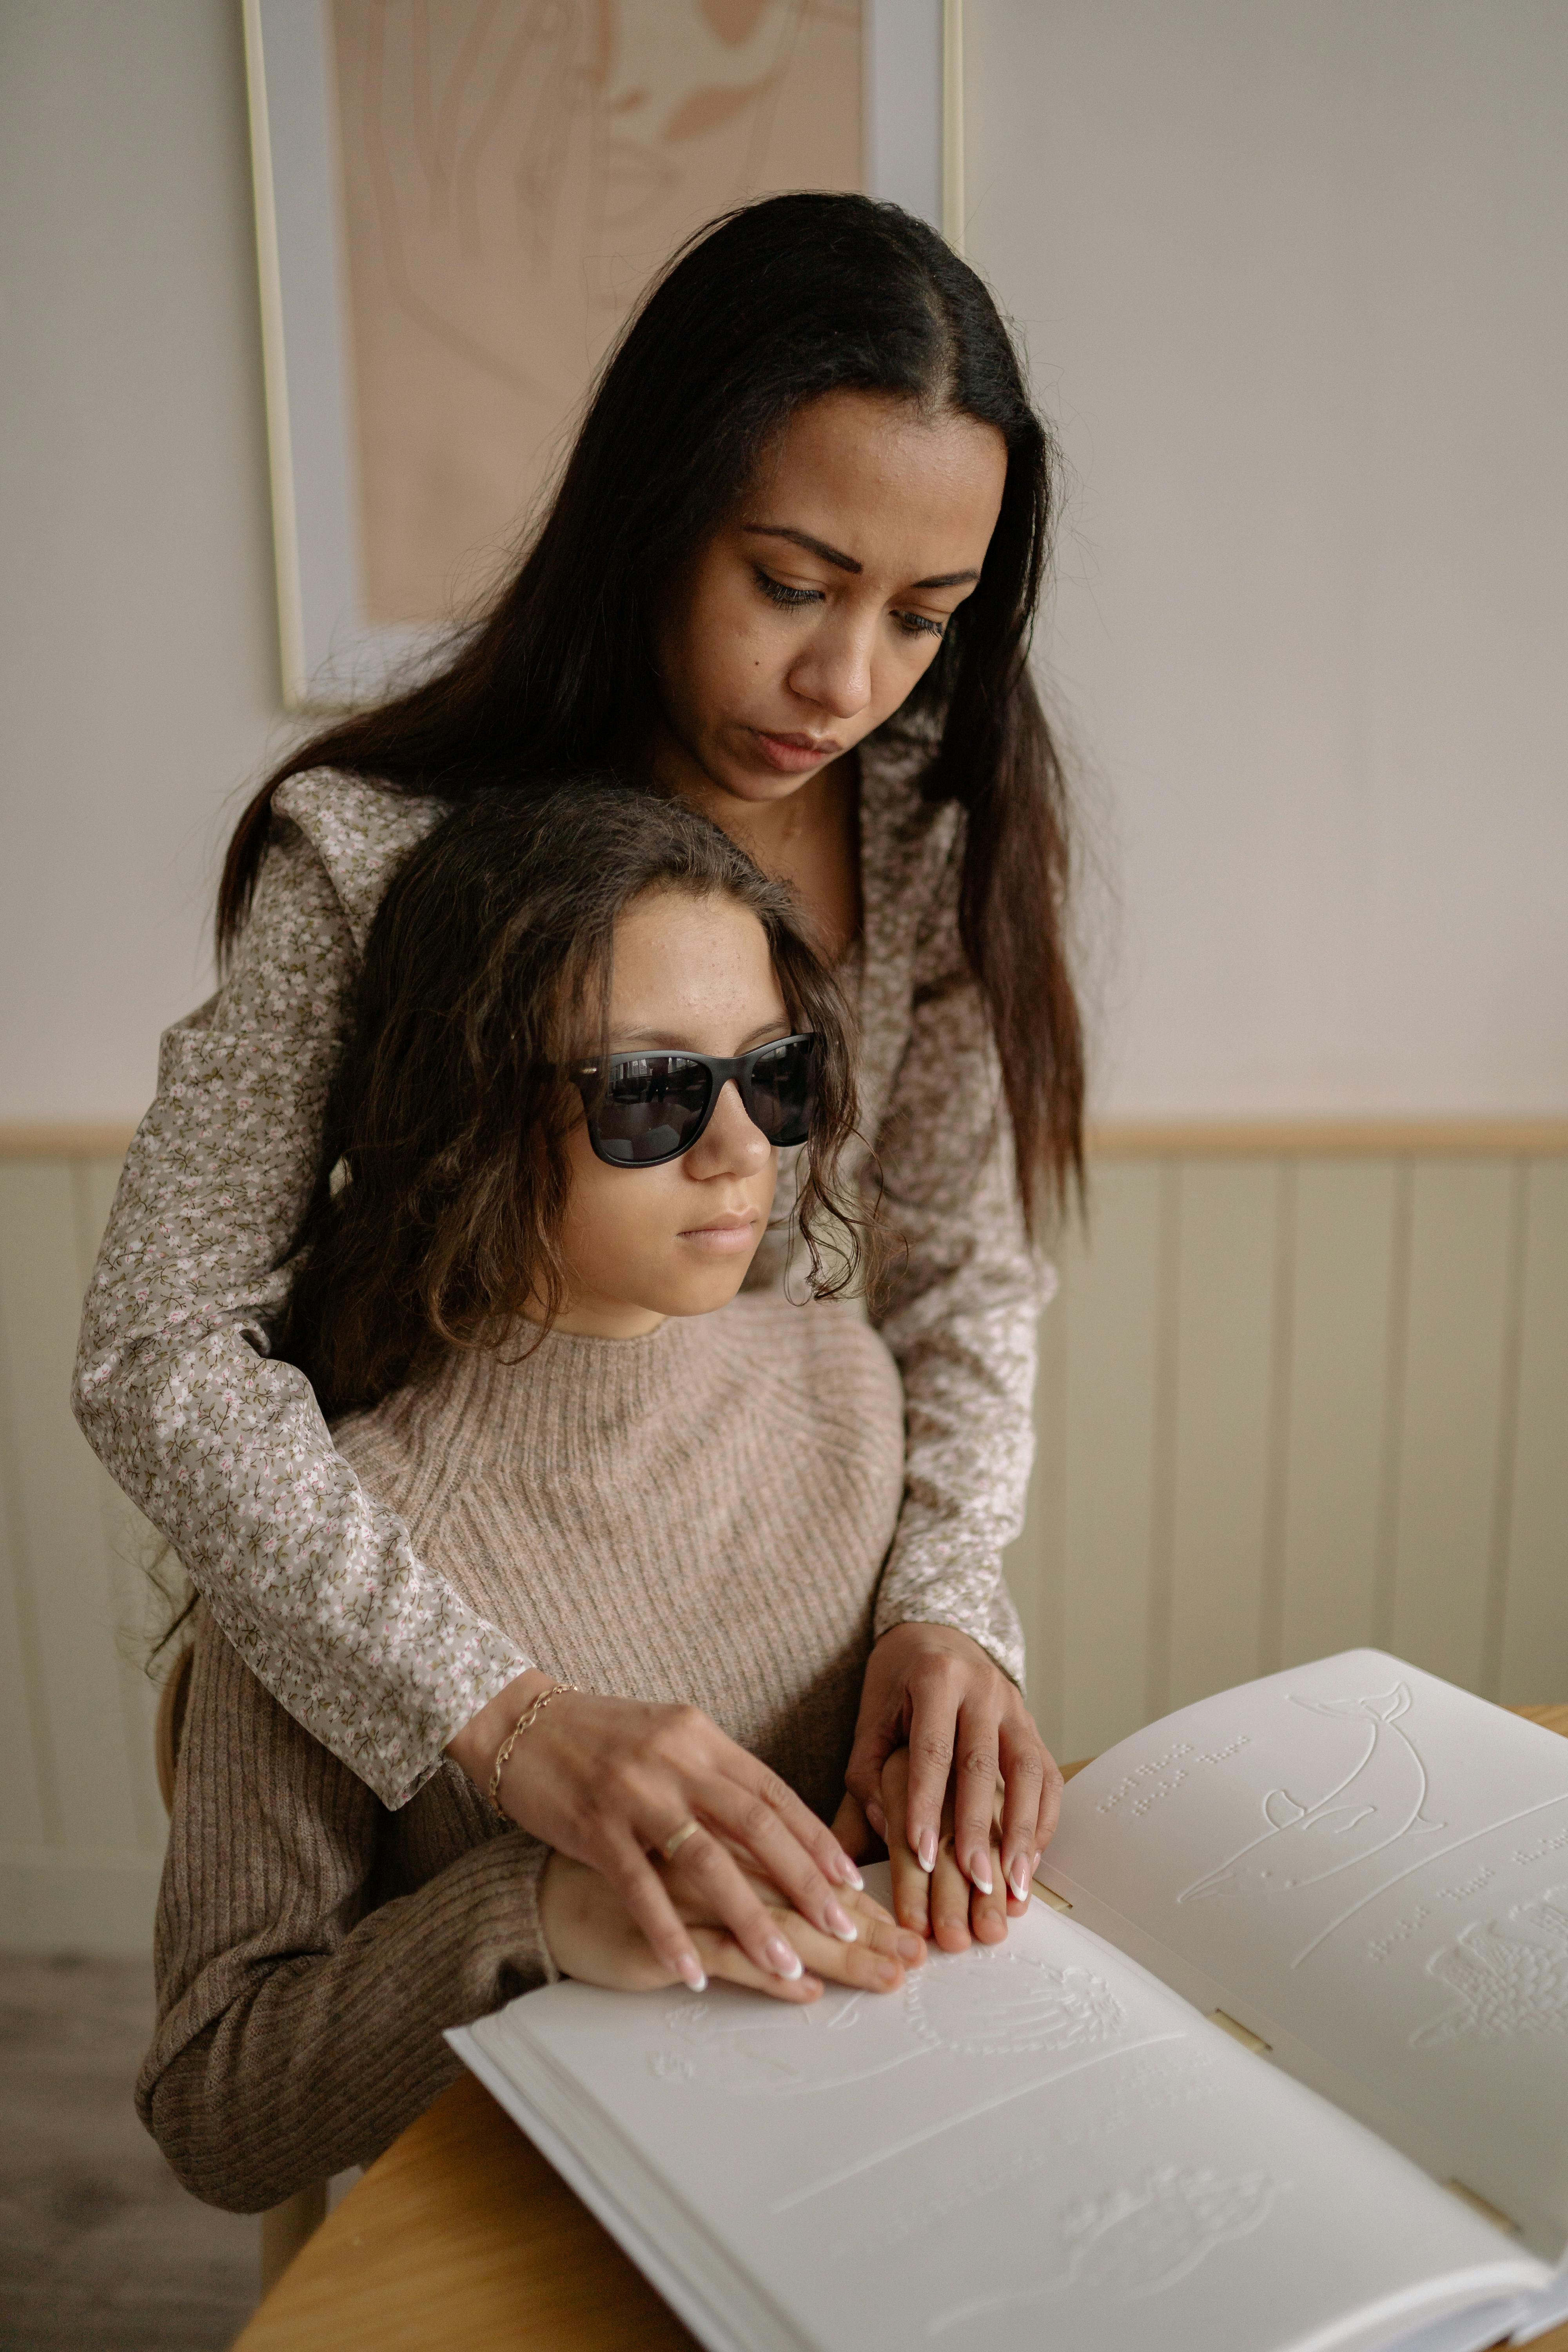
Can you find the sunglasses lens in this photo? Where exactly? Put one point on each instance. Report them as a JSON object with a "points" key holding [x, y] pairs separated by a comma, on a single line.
{"points": [[650, 1108], [780, 1090]]}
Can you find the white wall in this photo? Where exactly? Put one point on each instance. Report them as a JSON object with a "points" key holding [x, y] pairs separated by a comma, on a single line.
{"points": [[137, 647], [1291, 273]]}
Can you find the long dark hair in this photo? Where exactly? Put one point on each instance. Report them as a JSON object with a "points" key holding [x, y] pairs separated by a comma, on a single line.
{"points": [[770, 306], [444, 1177]]}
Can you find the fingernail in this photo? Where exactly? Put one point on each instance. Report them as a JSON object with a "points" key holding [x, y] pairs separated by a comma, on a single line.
{"points": [[925, 1853], [888, 1972], [910, 1948], [780, 1958], [877, 1819], [1019, 1876], [850, 1875], [980, 1874], [690, 1968], [840, 1922]]}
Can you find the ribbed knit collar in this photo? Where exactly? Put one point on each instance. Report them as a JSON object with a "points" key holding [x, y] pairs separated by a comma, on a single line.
{"points": [[588, 1385]]}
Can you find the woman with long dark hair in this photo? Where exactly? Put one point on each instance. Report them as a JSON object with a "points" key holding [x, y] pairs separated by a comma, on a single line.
{"points": [[790, 573]]}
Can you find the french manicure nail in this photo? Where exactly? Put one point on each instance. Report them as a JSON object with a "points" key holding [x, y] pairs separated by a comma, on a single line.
{"points": [[850, 1875], [1020, 1877], [840, 1922], [979, 1875], [780, 1958], [690, 1968], [925, 1853]]}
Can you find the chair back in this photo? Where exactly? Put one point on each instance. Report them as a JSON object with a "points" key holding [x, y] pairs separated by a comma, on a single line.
{"points": [[169, 1729]]}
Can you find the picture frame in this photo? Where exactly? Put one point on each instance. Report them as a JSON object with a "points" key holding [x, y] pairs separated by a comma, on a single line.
{"points": [[334, 653]]}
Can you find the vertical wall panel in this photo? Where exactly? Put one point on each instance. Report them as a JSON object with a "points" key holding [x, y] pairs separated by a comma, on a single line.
{"points": [[1033, 1565], [1112, 1337], [58, 1508], [1454, 1387], [129, 1544], [1342, 1297], [1225, 1365], [28, 1813], [1534, 1664]]}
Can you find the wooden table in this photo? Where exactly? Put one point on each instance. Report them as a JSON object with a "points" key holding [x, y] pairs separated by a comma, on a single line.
{"points": [[461, 2236]]}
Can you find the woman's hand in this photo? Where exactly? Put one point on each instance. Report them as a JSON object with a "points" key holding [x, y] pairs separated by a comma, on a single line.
{"points": [[608, 1780], [593, 1936], [943, 1902], [931, 1689]]}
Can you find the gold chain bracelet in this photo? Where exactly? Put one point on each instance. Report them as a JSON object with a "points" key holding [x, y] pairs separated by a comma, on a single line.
{"points": [[525, 1722]]}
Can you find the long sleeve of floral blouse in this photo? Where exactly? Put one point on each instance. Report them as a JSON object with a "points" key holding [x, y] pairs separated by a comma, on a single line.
{"points": [[225, 1449], [962, 1315]]}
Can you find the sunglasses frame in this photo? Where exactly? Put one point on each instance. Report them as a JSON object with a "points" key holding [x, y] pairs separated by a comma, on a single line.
{"points": [[588, 1075]]}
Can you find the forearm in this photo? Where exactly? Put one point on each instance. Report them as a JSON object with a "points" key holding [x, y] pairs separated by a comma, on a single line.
{"points": [[221, 1446], [962, 1328], [320, 2062]]}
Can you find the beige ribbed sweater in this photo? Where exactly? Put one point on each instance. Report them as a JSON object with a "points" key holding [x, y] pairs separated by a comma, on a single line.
{"points": [[701, 1515]]}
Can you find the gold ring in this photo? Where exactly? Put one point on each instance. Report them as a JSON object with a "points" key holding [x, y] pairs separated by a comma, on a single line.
{"points": [[677, 1838]]}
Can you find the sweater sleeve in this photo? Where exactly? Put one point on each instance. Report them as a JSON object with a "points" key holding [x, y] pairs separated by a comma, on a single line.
{"points": [[962, 1312], [226, 1451], [300, 2020]]}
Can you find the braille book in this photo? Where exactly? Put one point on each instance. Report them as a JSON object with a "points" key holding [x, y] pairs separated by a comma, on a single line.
{"points": [[1277, 2062]]}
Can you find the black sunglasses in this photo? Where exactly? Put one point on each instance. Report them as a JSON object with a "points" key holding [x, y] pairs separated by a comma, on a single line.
{"points": [[645, 1108]]}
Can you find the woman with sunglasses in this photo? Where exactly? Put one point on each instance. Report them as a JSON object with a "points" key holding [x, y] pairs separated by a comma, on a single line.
{"points": [[790, 571], [550, 1155]]}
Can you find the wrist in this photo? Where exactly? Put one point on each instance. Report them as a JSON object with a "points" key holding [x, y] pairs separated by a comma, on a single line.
{"points": [[928, 1634], [477, 1744]]}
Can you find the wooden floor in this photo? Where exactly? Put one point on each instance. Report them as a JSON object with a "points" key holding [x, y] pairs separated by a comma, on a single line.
{"points": [[101, 2249]]}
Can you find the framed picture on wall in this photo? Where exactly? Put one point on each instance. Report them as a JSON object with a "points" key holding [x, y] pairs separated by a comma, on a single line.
{"points": [[458, 202]]}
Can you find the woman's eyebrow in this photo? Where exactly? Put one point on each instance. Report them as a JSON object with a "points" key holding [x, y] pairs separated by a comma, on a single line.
{"points": [[803, 538], [848, 562]]}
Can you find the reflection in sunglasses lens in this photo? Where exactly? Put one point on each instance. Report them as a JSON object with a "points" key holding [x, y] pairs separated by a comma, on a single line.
{"points": [[652, 1105], [781, 1093]]}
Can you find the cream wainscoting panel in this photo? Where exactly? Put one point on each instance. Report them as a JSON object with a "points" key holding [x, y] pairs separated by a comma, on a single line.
{"points": [[80, 1819], [1533, 1509], [1298, 1393], [1300, 1399], [1336, 1343]]}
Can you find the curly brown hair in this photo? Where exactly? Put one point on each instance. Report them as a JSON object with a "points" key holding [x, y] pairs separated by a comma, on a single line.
{"points": [[437, 1214]]}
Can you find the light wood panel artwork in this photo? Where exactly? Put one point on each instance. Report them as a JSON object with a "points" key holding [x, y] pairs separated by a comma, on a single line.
{"points": [[512, 178], [1289, 1403]]}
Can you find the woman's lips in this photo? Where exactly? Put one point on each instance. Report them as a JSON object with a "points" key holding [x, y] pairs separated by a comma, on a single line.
{"points": [[792, 754]]}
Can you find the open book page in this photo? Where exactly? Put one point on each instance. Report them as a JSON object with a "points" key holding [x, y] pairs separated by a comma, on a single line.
{"points": [[1036, 2143], [1369, 1869]]}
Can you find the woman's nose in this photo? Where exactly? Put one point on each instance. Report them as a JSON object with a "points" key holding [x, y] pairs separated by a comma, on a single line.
{"points": [[834, 670], [731, 1144]]}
